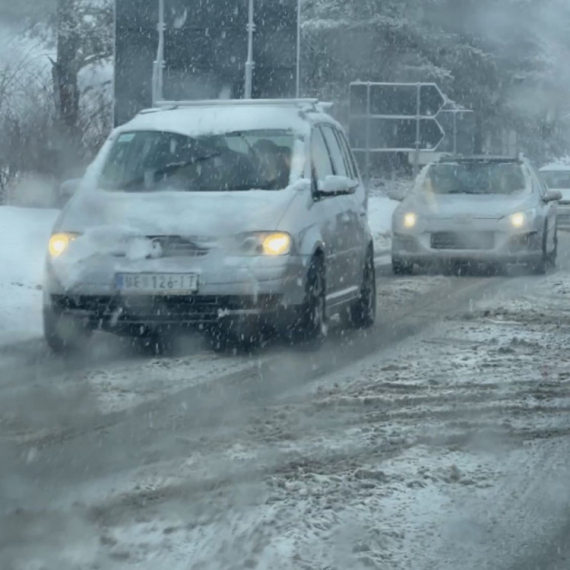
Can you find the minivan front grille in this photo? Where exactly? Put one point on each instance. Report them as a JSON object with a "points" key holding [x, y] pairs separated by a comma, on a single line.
{"points": [[468, 241], [178, 246]]}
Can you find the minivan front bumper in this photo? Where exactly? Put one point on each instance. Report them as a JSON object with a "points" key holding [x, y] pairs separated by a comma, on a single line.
{"points": [[240, 288]]}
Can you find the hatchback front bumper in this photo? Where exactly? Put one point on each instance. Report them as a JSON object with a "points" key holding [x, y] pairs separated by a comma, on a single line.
{"points": [[486, 247]]}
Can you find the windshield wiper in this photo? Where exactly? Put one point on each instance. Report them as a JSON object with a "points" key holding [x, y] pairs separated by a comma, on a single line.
{"points": [[173, 166]]}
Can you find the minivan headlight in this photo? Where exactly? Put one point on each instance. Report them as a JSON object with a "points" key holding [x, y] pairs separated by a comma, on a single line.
{"points": [[267, 243], [59, 243]]}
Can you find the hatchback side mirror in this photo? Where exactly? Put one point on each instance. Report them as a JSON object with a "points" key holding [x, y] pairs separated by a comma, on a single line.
{"points": [[553, 196], [337, 185]]}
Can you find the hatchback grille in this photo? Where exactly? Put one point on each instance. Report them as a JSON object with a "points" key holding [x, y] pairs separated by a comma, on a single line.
{"points": [[453, 240], [177, 246]]}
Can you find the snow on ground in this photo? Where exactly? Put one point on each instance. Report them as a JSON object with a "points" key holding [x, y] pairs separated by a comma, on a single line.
{"points": [[370, 468], [24, 235], [380, 210]]}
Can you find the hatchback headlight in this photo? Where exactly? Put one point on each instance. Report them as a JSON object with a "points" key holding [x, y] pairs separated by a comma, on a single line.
{"points": [[410, 220], [521, 219], [59, 243], [267, 243]]}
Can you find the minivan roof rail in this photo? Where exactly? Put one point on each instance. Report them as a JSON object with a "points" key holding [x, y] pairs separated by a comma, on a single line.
{"points": [[479, 158], [302, 103]]}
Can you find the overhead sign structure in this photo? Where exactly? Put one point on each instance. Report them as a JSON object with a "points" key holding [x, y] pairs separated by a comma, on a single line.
{"points": [[395, 117], [459, 125], [201, 51]]}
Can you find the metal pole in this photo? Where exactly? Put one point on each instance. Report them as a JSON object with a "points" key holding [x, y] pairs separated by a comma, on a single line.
{"points": [[454, 132], [158, 69], [249, 64], [298, 87], [418, 130], [368, 119]]}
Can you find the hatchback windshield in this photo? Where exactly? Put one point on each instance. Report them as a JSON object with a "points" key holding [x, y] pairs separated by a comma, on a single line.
{"points": [[557, 179], [475, 178], [148, 161]]}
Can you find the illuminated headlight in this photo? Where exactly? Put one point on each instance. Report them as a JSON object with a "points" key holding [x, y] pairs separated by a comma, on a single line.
{"points": [[267, 243], [410, 220], [521, 219], [59, 243]]}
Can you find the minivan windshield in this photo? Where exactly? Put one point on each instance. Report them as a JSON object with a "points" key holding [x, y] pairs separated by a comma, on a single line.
{"points": [[150, 161], [476, 178], [557, 179]]}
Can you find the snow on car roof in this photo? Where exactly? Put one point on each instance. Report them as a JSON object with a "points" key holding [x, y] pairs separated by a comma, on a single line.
{"points": [[556, 166], [218, 118]]}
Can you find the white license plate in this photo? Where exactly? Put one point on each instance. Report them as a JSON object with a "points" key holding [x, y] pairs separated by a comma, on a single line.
{"points": [[157, 283]]}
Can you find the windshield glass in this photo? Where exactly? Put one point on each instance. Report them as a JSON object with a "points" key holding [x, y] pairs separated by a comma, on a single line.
{"points": [[475, 178], [149, 161], [557, 179]]}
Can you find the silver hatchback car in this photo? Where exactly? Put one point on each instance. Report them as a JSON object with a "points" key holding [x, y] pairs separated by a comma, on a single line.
{"points": [[476, 210], [229, 216]]}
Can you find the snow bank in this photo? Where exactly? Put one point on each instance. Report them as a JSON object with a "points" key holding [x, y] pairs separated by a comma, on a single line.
{"points": [[24, 235], [380, 210]]}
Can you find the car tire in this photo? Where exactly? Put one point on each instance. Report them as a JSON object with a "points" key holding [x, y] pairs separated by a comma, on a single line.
{"points": [[363, 312], [400, 266], [553, 256], [153, 344], [540, 267], [310, 326], [227, 338], [64, 334]]}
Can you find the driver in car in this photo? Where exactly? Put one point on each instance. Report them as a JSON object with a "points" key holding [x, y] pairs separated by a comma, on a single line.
{"points": [[274, 164]]}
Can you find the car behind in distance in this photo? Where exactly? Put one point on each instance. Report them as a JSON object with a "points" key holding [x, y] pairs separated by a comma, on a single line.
{"points": [[476, 210], [557, 177], [228, 216]]}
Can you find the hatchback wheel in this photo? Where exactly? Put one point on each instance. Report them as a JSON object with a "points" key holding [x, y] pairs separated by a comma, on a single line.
{"points": [[363, 312], [552, 258], [539, 267]]}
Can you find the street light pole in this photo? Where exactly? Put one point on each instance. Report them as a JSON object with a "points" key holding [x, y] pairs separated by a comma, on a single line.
{"points": [[298, 87], [158, 70], [249, 64]]}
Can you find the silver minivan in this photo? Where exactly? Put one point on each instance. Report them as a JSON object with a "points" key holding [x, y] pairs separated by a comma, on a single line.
{"points": [[231, 216]]}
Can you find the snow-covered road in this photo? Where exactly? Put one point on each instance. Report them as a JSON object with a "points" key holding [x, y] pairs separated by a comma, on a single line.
{"points": [[438, 440]]}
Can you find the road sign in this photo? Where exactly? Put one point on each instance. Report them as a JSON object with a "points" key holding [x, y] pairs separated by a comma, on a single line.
{"points": [[395, 117], [394, 135], [396, 99], [205, 50], [460, 127]]}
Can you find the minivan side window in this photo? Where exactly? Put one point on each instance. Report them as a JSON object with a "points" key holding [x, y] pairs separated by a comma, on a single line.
{"points": [[320, 156], [349, 157], [338, 161]]}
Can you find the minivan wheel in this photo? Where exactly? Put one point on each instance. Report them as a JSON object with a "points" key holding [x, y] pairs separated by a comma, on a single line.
{"points": [[363, 312], [311, 324], [236, 337], [401, 266], [64, 334]]}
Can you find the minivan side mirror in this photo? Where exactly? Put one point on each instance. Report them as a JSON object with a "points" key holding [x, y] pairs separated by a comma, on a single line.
{"points": [[333, 185], [69, 187], [552, 196]]}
